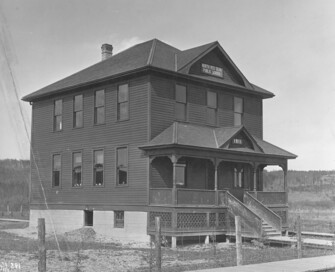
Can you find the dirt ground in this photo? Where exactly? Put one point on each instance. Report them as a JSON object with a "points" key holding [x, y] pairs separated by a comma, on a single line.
{"points": [[83, 250]]}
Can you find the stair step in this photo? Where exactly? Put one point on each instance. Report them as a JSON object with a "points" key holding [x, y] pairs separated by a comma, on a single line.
{"points": [[273, 234]]}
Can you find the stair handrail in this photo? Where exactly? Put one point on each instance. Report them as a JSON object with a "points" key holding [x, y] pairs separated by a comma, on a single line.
{"points": [[254, 221], [269, 216]]}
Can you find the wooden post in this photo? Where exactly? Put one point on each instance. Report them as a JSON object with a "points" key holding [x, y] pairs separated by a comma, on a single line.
{"points": [[42, 264], [150, 264], [158, 244], [238, 240], [21, 210], [299, 240]]}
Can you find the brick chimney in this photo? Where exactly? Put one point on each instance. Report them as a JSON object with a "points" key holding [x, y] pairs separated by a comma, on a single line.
{"points": [[106, 51]]}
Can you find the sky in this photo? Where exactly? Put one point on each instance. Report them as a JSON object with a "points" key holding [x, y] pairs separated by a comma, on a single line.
{"points": [[286, 47]]}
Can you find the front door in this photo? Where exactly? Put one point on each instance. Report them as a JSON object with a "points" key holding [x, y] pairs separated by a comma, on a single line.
{"points": [[233, 177]]}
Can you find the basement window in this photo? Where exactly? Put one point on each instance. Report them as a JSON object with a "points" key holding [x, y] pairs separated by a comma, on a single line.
{"points": [[88, 218], [119, 219]]}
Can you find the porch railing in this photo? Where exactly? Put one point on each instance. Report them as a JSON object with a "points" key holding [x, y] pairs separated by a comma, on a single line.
{"points": [[270, 198], [162, 196], [251, 222], [195, 197], [184, 197], [262, 211]]}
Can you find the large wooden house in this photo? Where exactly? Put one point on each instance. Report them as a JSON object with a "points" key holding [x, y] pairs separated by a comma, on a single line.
{"points": [[155, 131]]}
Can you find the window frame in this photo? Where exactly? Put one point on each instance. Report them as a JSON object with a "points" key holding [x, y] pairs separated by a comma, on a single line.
{"points": [[52, 170], [119, 225], [210, 108], [183, 167], [238, 177], [183, 103], [72, 170], [96, 108], [55, 115], [103, 168], [75, 111], [126, 102], [117, 167], [240, 114]]}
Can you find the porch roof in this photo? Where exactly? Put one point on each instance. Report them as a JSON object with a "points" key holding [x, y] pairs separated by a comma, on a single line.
{"points": [[184, 134]]}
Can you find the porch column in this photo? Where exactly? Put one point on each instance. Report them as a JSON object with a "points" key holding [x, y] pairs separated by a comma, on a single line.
{"points": [[255, 166], [285, 183], [174, 160], [216, 164]]}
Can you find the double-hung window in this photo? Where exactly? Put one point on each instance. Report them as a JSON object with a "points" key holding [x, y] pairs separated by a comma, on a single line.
{"points": [[58, 111], [211, 107], [99, 107], [181, 102], [56, 170], [238, 111], [119, 219], [123, 102], [238, 178], [76, 169], [78, 111], [98, 168], [122, 166]]}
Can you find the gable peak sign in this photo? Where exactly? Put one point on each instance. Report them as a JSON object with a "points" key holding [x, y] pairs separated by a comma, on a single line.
{"points": [[211, 70]]}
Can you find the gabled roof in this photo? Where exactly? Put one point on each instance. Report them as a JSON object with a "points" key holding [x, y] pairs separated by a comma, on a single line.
{"points": [[196, 136], [150, 54]]}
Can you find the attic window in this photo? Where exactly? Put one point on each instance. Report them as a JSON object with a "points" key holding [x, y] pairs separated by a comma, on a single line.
{"points": [[212, 70], [237, 141]]}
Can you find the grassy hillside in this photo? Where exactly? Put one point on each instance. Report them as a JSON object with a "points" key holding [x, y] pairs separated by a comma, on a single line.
{"points": [[14, 184], [311, 195]]}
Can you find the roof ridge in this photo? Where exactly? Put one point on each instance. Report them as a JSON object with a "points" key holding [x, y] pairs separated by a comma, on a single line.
{"points": [[152, 52], [208, 44]]}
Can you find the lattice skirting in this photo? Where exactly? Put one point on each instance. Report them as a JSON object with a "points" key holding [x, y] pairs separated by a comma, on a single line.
{"points": [[190, 221]]}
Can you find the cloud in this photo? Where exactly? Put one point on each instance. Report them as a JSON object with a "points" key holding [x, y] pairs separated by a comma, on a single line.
{"points": [[126, 43]]}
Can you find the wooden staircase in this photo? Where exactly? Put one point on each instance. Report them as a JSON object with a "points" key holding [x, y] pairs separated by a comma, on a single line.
{"points": [[269, 231]]}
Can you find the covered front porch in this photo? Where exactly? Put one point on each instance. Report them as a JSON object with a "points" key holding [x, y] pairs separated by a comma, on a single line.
{"points": [[198, 188]]}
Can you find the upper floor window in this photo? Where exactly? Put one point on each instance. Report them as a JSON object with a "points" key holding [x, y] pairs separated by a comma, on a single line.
{"points": [[56, 170], [98, 168], [78, 111], [99, 107], [122, 166], [181, 102], [211, 107], [123, 102], [238, 111], [58, 111], [76, 169]]}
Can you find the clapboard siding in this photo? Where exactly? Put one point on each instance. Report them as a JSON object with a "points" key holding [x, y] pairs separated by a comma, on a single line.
{"points": [[163, 106], [253, 124], [108, 136]]}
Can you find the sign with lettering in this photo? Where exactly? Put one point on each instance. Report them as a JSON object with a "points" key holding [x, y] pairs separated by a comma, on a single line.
{"points": [[212, 70]]}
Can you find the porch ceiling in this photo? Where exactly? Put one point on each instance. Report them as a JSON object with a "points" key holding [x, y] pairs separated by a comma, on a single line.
{"points": [[212, 139]]}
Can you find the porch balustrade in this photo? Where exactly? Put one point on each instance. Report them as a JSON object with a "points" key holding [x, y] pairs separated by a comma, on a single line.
{"points": [[184, 197], [270, 198]]}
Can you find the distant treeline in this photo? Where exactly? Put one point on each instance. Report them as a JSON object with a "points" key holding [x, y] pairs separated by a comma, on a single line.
{"points": [[297, 180], [15, 179], [14, 184]]}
